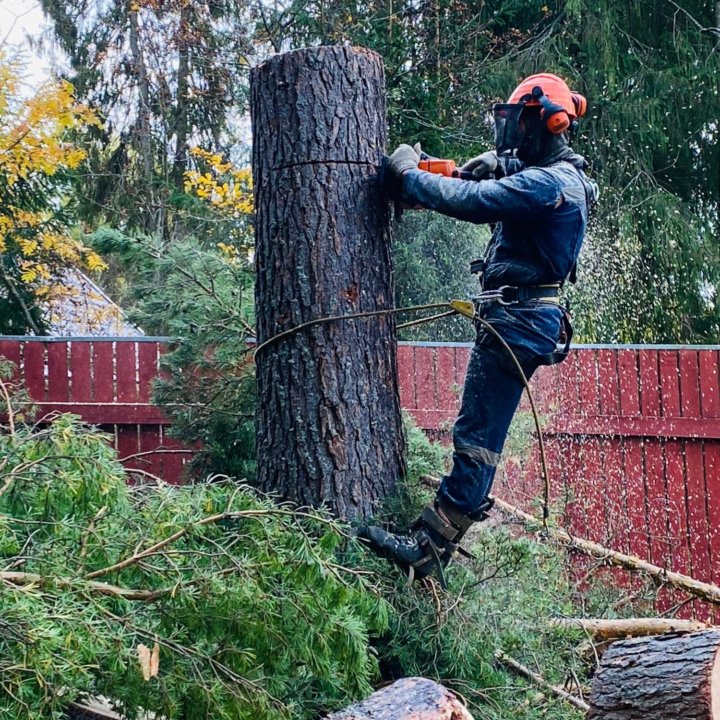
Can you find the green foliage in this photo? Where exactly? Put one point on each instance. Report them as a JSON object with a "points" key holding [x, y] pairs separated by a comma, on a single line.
{"points": [[432, 255], [161, 76], [245, 602], [649, 71], [203, 296], [425, 460], [501, 600]]}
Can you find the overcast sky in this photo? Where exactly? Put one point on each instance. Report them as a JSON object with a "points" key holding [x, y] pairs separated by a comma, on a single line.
{"points": [[18, 20]]}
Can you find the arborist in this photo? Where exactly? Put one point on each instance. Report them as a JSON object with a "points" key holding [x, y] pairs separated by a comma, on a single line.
{"points": [[534, 189]]}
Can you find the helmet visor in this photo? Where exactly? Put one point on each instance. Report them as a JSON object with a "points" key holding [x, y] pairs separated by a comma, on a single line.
{"points": [[508, 135]]}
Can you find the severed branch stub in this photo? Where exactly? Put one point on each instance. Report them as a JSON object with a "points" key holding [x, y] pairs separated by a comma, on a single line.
{"points": [[696, 588], [603, 629], [408, 699], [539, 680]]}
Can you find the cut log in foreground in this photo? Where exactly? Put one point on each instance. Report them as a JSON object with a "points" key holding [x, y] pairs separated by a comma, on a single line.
{"points": [[666, 677], [407, 699]]}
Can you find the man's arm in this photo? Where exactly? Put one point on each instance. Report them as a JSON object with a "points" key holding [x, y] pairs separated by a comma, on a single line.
{"points": [[527, 194]]}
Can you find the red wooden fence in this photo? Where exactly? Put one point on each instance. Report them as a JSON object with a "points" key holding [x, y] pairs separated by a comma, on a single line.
{"points": [[107, 382], [632, 433], [633, 444]]}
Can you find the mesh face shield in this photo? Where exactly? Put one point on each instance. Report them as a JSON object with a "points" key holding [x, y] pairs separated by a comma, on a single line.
{"points": [[520, 131], [508, 135]]}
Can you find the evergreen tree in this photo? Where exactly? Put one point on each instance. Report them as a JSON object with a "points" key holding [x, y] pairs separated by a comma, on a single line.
{"points": [[163, 76], [649, 70]]}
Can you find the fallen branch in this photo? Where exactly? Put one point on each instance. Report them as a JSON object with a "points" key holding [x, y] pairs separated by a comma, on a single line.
{"points": [[602, 629], [696, 588], [219, 517], [539, 680], [22, 579]]}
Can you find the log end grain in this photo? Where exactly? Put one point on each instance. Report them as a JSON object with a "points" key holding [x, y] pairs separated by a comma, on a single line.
{"points": [[407, 699]]}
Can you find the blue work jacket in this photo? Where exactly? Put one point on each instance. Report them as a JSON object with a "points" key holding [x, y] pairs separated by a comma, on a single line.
{"points": [[541, 215]]}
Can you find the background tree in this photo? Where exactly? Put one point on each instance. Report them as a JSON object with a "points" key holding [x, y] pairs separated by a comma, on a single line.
{"points": [[36, 206], [162, 76], [649, 70], [201, 293]]}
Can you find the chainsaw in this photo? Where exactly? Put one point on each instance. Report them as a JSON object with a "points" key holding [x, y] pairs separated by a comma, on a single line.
{"points": [[437, 166], [446, 168]]}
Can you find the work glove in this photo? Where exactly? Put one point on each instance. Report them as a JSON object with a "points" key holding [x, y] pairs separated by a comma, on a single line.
{"points": [[482, 166], [403, 159]]}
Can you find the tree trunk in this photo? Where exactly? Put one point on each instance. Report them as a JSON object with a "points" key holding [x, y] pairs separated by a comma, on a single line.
{"points": [[328, 410], [666, 677], [408, 699]]}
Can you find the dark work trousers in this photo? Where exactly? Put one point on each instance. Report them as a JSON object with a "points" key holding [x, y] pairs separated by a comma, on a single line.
{"points": [[491, 395]]}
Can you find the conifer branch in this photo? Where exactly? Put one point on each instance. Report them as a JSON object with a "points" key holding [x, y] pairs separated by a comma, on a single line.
{"points": [[23, 579]]}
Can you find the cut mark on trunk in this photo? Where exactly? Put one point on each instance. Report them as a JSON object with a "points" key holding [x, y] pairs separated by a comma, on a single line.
{"points": [[324, 162]]}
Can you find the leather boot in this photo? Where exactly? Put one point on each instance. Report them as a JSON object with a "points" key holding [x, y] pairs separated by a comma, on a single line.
{"points": [[433, 540]]}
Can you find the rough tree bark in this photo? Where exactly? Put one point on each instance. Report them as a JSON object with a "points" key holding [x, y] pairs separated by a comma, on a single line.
{"points": [[407, 699], [666, 677], [328, 411]]}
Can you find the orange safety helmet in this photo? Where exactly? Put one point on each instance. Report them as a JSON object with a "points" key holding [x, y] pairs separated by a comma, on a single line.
{"points": [[560, 105]]}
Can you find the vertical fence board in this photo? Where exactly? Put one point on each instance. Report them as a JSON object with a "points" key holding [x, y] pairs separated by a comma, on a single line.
{"points": [[709, 390], [698, 527], [462, 360], [608, 381], [635, 499], [590, 492], [588, 382], [627, 362], [677, 513], [711, 457], [689, 383], [103, 372], [615, 495], [128, 443], [406, 376], [150, 439], [125, 371], [669, 383], [656, 502], [34, 369], [57, 371], [173, 464], [568, 385], [147, 369], [425, 378], [445, 379], [81, 380], [649, 383], [10, 350]]}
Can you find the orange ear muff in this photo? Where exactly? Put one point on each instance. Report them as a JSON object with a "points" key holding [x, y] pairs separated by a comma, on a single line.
{"points": [[558, 122], [556, 118], [580, 104]]}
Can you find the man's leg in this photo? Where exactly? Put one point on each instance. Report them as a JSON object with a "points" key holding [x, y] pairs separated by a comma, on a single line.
{"points": [[492, 391], [490, 397]]}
